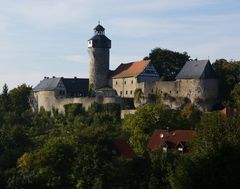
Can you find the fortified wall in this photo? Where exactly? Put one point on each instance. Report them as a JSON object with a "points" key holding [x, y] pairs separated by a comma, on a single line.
{"points": [[49, 101], [201, 92]]}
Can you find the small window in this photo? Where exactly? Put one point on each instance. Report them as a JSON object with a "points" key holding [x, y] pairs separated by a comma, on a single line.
{"points": [[152, 90], [120, 93], [164, 149], [131, 92], [125, 82], [116, 82], [180, 149], [177, 92], [126, 92], [170, 92], [132, 82]]}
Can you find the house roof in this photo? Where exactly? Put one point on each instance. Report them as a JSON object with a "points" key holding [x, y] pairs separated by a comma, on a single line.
{"points": [[76, 85], [197, 69], [72, 85], [130, 69], [99, 28], [124, 149], [47, 84], [100, 37], [161, 137]]}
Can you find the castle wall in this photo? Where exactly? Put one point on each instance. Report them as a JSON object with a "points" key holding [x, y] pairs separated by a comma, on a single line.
{"points": [[194, 89], [48, 101], [198, 89], [169, 87], [44, 99]]}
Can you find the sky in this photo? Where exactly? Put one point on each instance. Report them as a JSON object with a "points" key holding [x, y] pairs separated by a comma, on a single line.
{"points": [[49, 37]]}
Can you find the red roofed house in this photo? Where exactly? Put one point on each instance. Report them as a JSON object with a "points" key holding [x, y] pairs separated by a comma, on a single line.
{"points": [[127, 77], [124, 149], [170, 140]]}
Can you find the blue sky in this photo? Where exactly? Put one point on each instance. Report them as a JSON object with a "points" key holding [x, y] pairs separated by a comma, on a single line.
{"points": [[49, 37]]}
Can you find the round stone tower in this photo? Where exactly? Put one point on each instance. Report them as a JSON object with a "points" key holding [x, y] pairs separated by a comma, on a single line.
{"points": [[98, 48]]}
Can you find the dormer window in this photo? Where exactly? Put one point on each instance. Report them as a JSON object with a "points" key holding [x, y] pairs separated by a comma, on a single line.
{"points": [[180, 149], [164, 149]]}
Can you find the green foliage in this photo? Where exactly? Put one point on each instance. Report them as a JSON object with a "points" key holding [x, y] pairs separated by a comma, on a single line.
{"points": [[235, 95], [228, 75], [5, 99], [138, 94], [191, 113], [167, 63], [215, 154], [20, 98], [50, 164]]}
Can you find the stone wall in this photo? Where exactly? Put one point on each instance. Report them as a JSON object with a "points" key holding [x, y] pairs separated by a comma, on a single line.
{"points": [[48, 101], [190, 88], [204, 93], [99, 67]]}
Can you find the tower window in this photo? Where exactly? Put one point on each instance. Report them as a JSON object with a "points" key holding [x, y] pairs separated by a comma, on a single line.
{"points": [[116, 82], [125, 82], [126, 92], [132, 81], [131, 92]]}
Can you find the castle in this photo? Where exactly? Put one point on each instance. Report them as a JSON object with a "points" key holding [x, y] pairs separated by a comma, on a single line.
{"points": [[196, 82]]}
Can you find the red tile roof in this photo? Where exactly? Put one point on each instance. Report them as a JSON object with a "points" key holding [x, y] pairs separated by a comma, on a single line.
{"points": [[130, 69], [161, 137], [124, 149]]}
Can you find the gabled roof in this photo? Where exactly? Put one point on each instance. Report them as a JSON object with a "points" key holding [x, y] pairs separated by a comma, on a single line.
{"points": [[124, 149], [99, 28], [72, 85], [130, 69], [76, 85], [197, 69], [47, 84], [161, 137]]}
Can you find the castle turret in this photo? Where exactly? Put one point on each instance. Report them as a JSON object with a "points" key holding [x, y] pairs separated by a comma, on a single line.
{"points": [[98, 47]]}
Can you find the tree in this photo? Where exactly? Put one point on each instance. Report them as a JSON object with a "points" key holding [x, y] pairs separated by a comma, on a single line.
{"points": [[20, 98], [214, 160], [73, 110], [5, 99], [191, 113], [235, 95], [49, 166], [228, 75], [167, 63]]}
